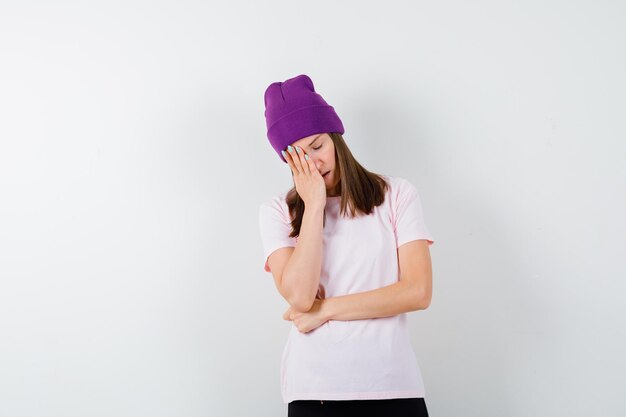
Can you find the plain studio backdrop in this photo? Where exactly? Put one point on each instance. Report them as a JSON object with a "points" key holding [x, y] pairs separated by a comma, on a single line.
{"points": [[134, 158]]}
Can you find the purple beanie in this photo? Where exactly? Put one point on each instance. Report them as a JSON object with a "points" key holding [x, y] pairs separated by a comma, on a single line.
{"points": [[293, 110]]}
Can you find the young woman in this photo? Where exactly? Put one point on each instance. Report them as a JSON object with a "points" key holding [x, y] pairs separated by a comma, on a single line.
{"points": [[349, 251]]}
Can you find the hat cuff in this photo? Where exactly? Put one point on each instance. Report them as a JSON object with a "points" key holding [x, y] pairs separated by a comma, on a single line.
{"points": [[301, 123]]}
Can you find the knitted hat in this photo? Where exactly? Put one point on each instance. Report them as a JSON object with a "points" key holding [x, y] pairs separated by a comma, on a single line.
{"points": [[293, 110]]}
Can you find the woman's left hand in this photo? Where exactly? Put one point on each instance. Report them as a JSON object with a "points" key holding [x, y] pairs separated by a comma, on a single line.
{"points": [[312, 319]]}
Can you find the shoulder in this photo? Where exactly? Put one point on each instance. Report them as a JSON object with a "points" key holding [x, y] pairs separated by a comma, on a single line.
{"points": [[277, 200], [399, 185], [276, 204]]}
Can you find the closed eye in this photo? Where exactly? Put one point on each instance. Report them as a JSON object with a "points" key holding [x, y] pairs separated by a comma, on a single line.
{"points": [[318, 147]]}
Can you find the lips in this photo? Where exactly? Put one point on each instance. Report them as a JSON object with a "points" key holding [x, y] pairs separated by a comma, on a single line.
{"points": [[323, 175]]}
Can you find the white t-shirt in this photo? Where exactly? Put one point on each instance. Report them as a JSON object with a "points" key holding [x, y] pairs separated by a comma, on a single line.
{"points": [[354, 359]]}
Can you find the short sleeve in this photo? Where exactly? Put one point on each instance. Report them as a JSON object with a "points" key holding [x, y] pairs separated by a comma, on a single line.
{"points": [[408, 214], [275, 227]]}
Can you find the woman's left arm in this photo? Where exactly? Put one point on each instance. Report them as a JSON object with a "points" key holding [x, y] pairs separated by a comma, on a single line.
{"points": [[412, 292]]}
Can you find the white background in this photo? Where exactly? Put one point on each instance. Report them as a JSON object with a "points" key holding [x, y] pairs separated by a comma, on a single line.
{"points": [[134, 157]]}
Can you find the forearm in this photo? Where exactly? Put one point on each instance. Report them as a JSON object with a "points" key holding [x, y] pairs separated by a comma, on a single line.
{"points": [[301, 275], [387, 301]]}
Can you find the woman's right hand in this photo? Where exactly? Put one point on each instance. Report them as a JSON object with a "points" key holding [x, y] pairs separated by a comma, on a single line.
{"points": [[310, 184]]}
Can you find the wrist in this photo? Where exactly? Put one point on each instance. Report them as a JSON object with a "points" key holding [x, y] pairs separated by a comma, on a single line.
{"points": [[317, 210], [327, 309]]}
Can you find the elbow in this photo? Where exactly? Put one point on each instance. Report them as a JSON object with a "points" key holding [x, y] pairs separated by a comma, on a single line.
{"points": [[424, 300], [298, 300], [421, 300], [301, 303]]}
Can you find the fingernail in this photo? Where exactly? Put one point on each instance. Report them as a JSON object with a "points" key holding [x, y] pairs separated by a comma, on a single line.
{"points": [[284, 154], [306, 157], [290, 148]]}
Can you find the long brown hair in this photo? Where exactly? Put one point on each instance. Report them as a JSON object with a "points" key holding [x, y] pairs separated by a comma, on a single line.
{"points": [[360, 189]]}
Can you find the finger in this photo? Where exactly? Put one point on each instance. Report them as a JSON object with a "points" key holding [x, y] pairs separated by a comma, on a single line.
{"points": [[303, 161], [289, 160], [312, 167], [295, 158]]}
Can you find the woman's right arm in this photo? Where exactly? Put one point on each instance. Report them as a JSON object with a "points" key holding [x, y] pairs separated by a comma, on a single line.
{"points": [[300, 278], [301, 275]]}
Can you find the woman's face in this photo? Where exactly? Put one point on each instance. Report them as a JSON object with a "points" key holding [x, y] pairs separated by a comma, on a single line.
{"points": [[321, 150]]}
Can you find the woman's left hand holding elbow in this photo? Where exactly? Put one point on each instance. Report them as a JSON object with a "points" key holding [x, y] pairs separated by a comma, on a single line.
{"points": [[312, 319]]}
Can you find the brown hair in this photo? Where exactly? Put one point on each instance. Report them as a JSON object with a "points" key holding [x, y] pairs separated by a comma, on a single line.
{"points": [[360, 189]]}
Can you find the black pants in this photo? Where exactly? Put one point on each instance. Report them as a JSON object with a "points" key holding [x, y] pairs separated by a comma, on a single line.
{"points": [[396, 407]]}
